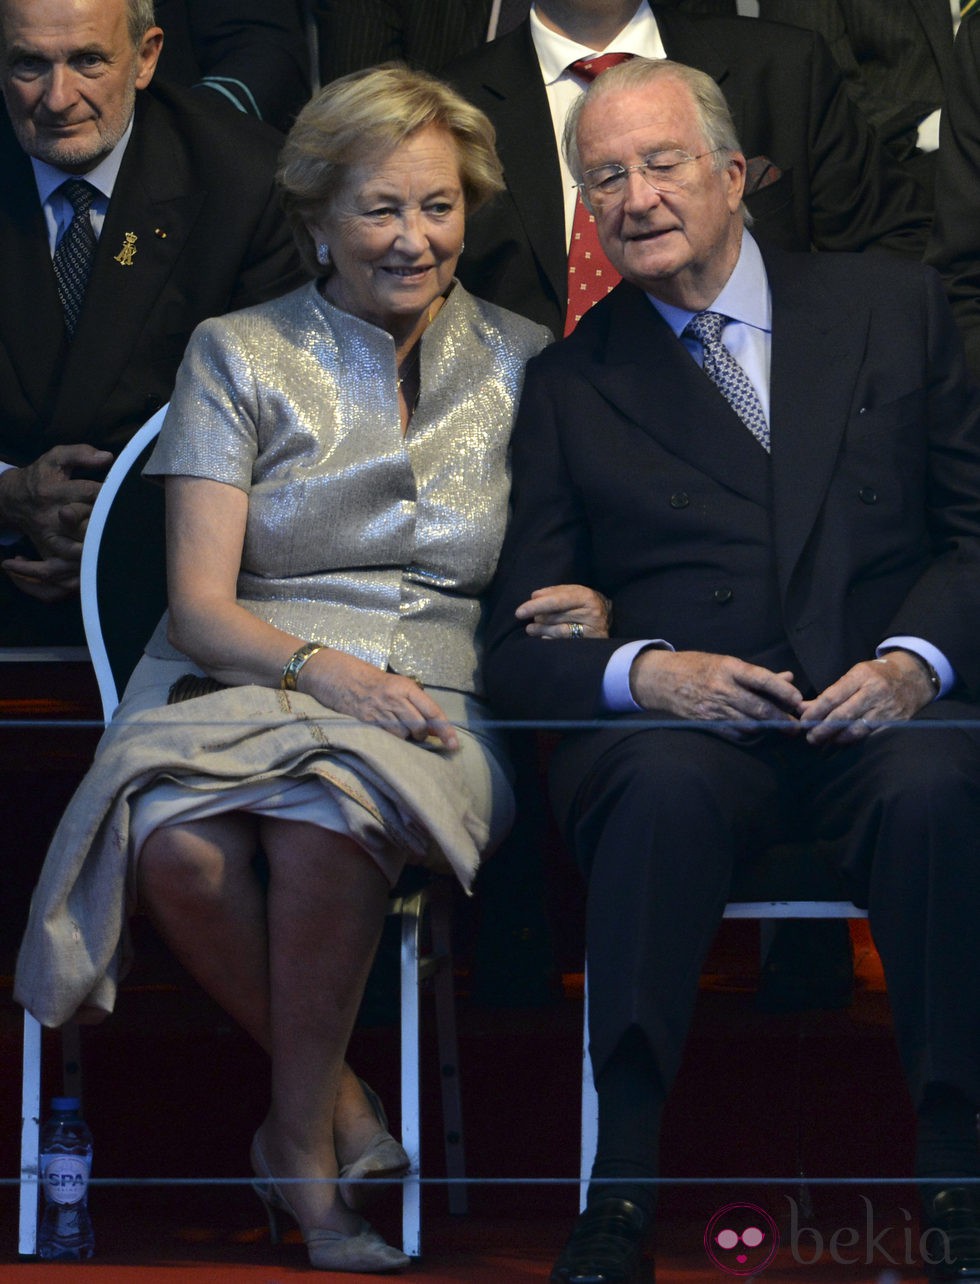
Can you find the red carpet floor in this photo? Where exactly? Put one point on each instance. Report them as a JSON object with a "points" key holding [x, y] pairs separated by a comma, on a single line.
{"points": [[172, 1091]]}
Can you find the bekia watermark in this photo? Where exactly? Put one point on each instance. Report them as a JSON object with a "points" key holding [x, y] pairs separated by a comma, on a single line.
{"points": [[742, 1239]]}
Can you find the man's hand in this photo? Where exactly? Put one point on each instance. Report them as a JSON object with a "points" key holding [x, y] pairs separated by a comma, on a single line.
{"points": [[51, 507], [566, 611], [716, 689], [50, 580], [889, 689]]}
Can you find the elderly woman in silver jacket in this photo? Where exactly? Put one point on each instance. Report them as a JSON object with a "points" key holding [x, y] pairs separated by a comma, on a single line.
{"points": [[337, 486]]}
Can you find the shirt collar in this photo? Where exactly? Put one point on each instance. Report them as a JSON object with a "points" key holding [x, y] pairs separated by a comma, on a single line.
{"points": [[103, 177], [744, 297], [640, 36]]}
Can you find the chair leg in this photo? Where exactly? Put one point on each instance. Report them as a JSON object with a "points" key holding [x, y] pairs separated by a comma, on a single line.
{"points": [[452, 1105], [411, 916], [30, 1134], [590, 1107]]}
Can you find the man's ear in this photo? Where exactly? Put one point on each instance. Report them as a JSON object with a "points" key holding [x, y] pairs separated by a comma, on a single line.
{"points": [[148, 55], [735, 170]]}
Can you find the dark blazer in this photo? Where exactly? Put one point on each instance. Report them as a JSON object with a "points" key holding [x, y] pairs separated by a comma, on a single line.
{"points": [[252, 52], [838, 189], [632, 474], [425, 33], [954, 247], [196, 189], [895, 57]]}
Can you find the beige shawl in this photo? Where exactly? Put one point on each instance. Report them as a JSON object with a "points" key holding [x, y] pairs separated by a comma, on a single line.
{"points": [[76, 946]]}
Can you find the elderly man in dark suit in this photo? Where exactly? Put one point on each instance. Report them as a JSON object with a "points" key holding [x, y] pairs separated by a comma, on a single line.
{"points": [[817, 174], [129, 214], [770, 463]]}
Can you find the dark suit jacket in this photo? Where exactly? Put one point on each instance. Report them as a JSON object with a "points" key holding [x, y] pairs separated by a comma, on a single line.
{"points": [[425, 33], [895, 56], [255, 51], [838, 190], [954, 247], [632, 474], [196, 188]]}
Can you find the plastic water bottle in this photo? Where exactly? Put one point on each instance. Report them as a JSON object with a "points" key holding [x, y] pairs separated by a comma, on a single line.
{"points": [[66, 1162]]}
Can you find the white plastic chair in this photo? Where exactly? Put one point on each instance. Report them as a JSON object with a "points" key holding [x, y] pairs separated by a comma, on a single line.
{"points": [[418, 964]]}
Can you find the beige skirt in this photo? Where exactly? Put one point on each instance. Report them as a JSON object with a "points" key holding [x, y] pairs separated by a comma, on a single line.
{"points": [[243, 747], [314, 798]]}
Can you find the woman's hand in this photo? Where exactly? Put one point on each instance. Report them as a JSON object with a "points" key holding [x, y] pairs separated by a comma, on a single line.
{"points": [[566, 611], [398, 704]]}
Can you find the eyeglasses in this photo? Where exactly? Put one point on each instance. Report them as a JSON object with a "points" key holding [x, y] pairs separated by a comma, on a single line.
{"points": [[663, 171]]}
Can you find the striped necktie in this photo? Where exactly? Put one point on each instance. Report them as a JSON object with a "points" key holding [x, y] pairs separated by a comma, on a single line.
{"points": [[76, 251]]}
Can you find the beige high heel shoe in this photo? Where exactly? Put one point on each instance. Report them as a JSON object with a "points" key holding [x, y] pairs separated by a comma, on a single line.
{"points": [[382, 1158], [363, 1252]]}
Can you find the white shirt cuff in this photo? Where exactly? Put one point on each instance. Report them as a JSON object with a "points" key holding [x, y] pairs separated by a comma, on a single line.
{"points": [[616, 694], [931, 654]]}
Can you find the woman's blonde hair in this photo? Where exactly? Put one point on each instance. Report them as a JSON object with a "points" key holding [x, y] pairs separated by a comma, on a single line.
{"points": [[368, 114]]}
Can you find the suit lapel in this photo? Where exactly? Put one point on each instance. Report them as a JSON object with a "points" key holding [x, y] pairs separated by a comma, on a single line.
{"points": [[526, 142], [154, 203], [649, 376], [32, 328], [938, 27], [817, 350]]}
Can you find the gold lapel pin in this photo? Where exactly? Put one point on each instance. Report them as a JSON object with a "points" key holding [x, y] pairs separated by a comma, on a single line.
{"points": [[158, 231], [128, 252]]}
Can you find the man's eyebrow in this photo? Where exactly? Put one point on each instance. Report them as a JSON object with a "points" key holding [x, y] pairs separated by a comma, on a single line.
{"points": [[14, 52]]}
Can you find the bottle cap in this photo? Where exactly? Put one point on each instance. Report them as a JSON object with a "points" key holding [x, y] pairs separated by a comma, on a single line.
{"points": [[66, 1105]]}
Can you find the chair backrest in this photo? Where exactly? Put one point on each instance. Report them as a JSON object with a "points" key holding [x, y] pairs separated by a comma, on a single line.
{"points": [[124, 567]]}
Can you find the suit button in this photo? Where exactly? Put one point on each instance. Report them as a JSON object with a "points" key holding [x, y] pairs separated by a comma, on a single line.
{"points": [[868, 495], [722, 596], [680, 499], [151, 404]]}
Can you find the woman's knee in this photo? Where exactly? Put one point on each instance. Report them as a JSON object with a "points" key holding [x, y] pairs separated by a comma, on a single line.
{"points": [[188, 864]]}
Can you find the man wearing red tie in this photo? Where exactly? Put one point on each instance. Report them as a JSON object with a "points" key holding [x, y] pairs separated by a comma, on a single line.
{"points": [[817, 175]]}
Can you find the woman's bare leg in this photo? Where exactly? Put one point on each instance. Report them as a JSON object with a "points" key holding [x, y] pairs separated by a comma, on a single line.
{"points": [[327, 902], [198, 885]]}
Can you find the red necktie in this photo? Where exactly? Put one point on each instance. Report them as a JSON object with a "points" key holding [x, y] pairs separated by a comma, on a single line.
{"points": [[590, 274]]}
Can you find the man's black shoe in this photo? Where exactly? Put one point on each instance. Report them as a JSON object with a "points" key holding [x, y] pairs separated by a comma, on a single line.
{"points": [[951, 1244], [606, 1245]]}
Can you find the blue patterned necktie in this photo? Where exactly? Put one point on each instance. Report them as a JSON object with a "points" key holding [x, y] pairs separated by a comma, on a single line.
{"points": [[727, 375], [76, 251]]}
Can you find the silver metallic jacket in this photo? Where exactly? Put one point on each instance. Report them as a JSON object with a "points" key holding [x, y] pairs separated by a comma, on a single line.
{"points": [[358, 537]]}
